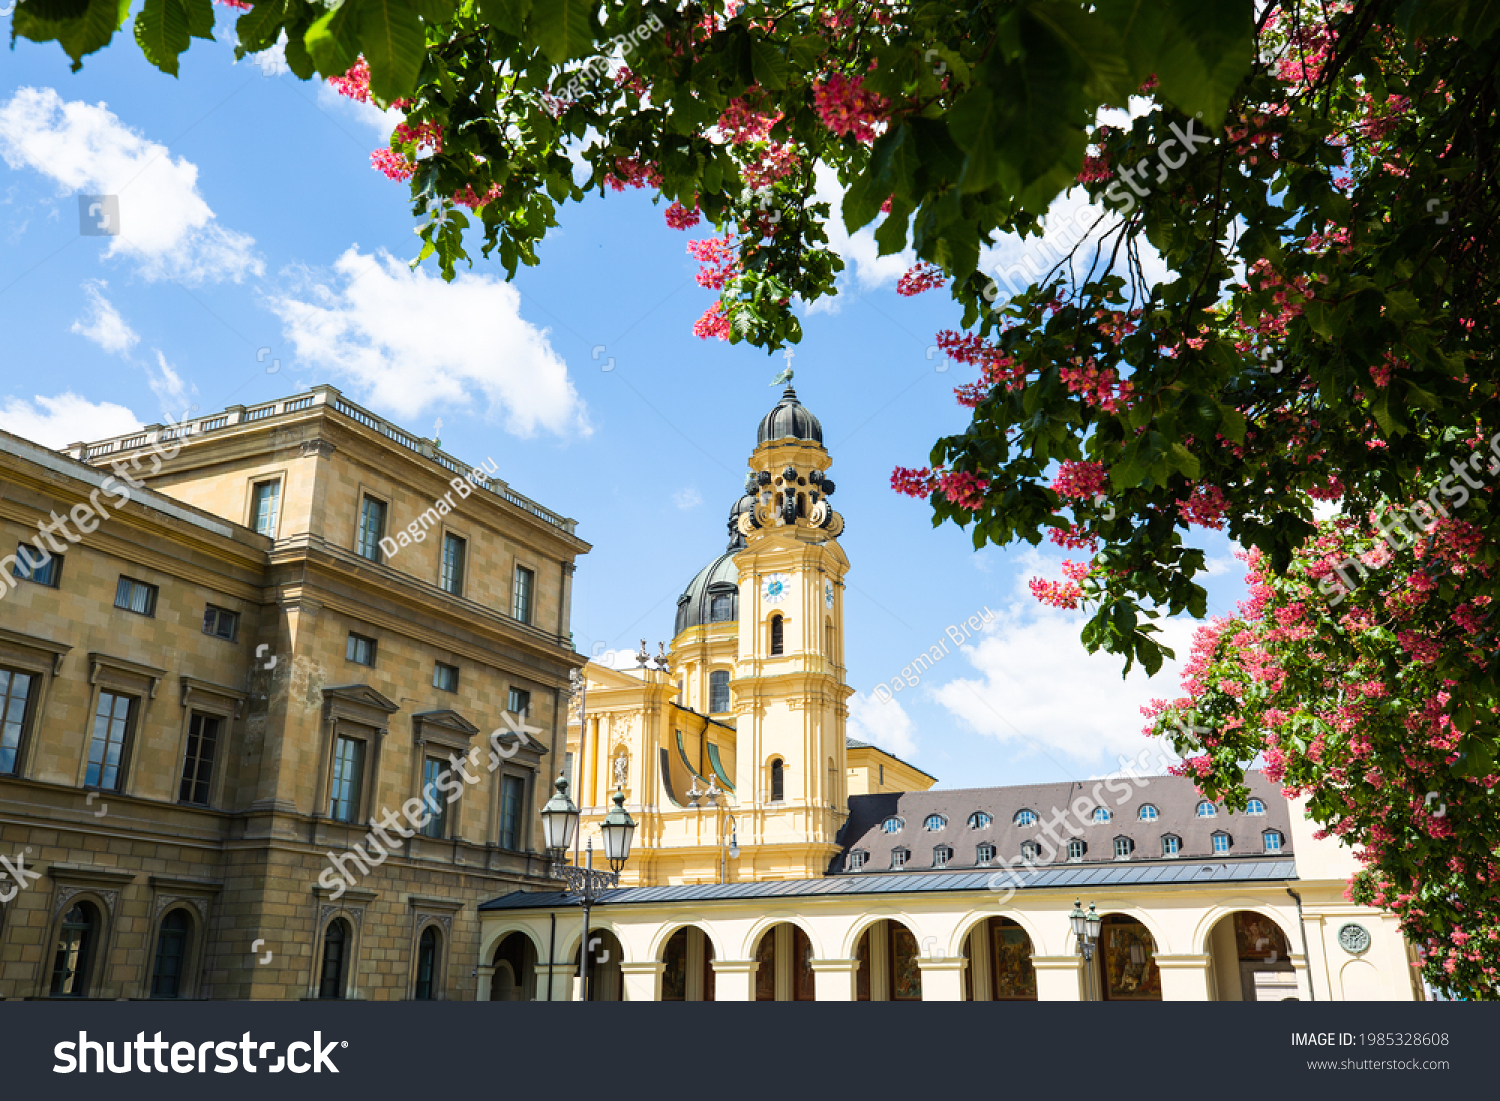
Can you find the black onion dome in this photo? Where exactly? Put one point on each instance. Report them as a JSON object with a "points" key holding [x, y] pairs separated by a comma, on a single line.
{"points": [[711, 597], [789, 418]]}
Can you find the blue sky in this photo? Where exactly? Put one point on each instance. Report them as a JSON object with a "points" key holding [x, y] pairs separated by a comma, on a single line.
{"points": [[259, 253]]}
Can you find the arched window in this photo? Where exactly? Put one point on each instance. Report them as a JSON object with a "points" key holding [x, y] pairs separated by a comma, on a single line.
{"points": [[718, 691], [1255, 806], [941, 855], [984, 853], [427, 959], [776, 635], [1221, 843], [1075, 850], [721, 608], [1123, 847], [979, 820], [75, 944], [335, 953], [1171, 845], [1148, 813], [828, 640], [892, 825], [171, 955], [935, 822], [1030, 850], [778, 783], [1273, 841], [1101, 814], [1025, 817], [1206, 810]]}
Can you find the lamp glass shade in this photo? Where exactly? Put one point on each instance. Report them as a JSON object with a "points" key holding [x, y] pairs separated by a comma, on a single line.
{"points": [[1094, 922], [559, 819], [1078, 918], [734, 846], [618, 828]]}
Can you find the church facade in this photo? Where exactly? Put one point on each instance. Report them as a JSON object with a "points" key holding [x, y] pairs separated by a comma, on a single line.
{"points": [[776, 859]]}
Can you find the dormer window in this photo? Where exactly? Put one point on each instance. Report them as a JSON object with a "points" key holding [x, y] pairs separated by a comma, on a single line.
{"points": [[1171, 844], [1221, 843], [984, 853], [1273, 841], [1030, 851], [1206, 810], [1148, 813], [1102, 815], [892, 824], [979, 820], [856, 861], [899, 858], [1123, 848], [1255, 806], [1075, 850], [1025, 818], [941, 855], [935, 822]]}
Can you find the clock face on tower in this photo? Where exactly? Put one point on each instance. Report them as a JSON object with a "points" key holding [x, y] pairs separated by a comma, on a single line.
{"points": [[828, 594], [773, 588]]}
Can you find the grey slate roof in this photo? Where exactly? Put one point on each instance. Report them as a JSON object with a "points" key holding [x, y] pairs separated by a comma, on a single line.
{"points": [[1174, 798], [1066, 876]]}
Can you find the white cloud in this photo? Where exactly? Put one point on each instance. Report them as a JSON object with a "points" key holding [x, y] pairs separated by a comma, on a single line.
{"points": [[165, 225], [1037, 687], [67, 418], [864, 268], [168, 386], [687, 498], [380, 325], [884, 724], [104, 325], [272, 62]]}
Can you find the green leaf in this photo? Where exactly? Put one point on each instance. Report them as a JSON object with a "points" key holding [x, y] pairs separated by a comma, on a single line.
{"points": [[161, 31], [200, 16], [56, 11], [508, 15], [78, 36], [1207, 50], [768, 64], [1185, 461], [332, 40], [394, 45], [563, 28], [974, 121], [260, 27]]}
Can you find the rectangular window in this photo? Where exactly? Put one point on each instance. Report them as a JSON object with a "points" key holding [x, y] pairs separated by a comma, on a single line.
{"points": [[361, 650], [512, 795], [1122, 846], [433, 798], [520, 701], [265, 507], [135, 596], [445, 677], [718, 692], [41, 567], [113, 720], [521, 607], [348, 773], [198, 765], [1169, 846], [898, 858], [371, 528], [1273, 842], [1221, 842], [856, 860], [221, 622], [15, 697], [452, 579]]}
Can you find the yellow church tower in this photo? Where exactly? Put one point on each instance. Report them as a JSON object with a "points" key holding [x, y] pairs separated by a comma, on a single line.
{"points": [[790, 698]]}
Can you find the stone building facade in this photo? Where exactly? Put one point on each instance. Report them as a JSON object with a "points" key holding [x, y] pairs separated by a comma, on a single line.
{"points": [[254, 634]]}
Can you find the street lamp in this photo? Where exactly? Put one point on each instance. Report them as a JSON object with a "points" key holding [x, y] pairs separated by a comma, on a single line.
{"points": [[1086, 928], [559, 824]]}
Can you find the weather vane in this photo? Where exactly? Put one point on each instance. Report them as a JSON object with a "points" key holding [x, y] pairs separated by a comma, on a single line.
{"points": [[786, 374]]}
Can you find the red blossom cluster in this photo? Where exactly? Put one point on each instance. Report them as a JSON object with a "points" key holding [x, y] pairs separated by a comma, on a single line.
{"points": [[919, 278], [847, 107], [1059, 594], [1080, 480], [679, 217], [720, 261]]}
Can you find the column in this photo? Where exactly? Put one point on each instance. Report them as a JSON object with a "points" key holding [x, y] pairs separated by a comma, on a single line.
{"points": [[734, 980], [1058, 978], [642, 980], [834, 980], [942, 978], [486, 976], [1184, 978]]}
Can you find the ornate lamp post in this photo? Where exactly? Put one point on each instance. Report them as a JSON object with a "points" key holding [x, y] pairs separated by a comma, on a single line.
{"points": [[729, 845], [1086, 928], [560, 827]]}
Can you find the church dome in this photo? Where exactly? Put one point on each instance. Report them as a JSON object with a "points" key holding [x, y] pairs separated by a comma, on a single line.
{"points": [[711, 597], [789, 419]]}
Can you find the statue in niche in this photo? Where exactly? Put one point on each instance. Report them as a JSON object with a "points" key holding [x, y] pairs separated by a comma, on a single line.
{"points": [[621, 768]]}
